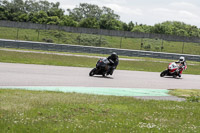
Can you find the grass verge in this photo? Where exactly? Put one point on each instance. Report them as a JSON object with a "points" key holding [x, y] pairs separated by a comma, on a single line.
{"points": [[62, 60], [61, 37], [184, 92], [42, 111], [191, 95]]}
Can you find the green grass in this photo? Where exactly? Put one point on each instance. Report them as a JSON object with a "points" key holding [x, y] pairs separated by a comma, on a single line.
{"points": [[93, 54], [92, 40], [185, 93], [40, 111], [61, 60], [191, 95]]}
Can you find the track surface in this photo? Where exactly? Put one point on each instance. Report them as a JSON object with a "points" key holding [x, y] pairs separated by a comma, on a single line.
{"points": [[13, 74]]}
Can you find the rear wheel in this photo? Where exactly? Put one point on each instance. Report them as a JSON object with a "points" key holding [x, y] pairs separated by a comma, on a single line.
{"points": [[92, 72], [163, 73]]}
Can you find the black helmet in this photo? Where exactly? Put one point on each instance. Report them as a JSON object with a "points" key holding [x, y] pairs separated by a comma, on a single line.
{"points": [[114, 56]]}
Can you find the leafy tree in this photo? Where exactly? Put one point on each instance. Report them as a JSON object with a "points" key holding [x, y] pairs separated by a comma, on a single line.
{"points": [[68, 21], [176, 28], [124, 26], [193, 31], [38, 17], [159, 28], [142, 28], [146, 28], [110, 24], [181, 32], [89, 23], [138, 28], [23, 17], [104, 17], [54, 20], [130, 26], [86, 10], [3, 13], [109, 12], [55, 12], [28, 6]]}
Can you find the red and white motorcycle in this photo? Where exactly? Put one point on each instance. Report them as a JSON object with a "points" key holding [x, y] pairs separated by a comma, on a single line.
{"points": [[174, 70]]}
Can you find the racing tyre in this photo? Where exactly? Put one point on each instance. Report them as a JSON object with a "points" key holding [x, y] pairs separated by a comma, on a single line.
{"points": [[104, 74], [174, 76], [163, 73], [92, 72]]}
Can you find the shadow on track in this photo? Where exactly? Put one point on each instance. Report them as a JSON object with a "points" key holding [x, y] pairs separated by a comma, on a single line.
{"points": [[102, 77], [172, 78]]}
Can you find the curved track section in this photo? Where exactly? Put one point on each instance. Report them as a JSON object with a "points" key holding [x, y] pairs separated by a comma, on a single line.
{"points": [[13, 74]]}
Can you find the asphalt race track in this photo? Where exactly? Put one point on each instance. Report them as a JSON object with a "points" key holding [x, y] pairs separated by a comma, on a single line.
{"points": [[13, 74]]}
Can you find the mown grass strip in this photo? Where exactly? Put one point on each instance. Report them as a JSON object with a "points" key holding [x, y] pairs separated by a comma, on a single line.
{"points": [[40, 111], [61, 60]]}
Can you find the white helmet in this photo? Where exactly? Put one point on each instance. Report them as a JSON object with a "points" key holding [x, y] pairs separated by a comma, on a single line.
{"points": [[182, 59]]}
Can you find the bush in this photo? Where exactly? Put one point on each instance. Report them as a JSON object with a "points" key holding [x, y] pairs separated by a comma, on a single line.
{"points": [[47, 40], [26, 38], [157, 48], [59, 34], [147, 47]]}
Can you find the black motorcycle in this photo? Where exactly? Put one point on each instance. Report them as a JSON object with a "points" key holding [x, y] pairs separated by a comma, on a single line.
{"points": [[102, 68]]}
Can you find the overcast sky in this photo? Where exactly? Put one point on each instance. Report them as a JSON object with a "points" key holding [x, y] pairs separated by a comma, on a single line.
{"points": [[147, 12]]}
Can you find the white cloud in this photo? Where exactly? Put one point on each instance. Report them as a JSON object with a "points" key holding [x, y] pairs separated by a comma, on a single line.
{"points": [[110, 1], [184, 5], [188, 15], [125, 10], [65, 7], [162, 10]]}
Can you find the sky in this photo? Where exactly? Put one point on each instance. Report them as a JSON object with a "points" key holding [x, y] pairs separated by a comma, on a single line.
{"points": [[147, 12]]}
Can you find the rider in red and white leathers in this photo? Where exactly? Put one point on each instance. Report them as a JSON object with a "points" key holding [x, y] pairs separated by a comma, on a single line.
{"points": [[183, 65]]}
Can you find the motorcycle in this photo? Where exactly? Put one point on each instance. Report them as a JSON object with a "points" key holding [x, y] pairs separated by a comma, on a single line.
{"points": [[173, 69], [102, 67]]}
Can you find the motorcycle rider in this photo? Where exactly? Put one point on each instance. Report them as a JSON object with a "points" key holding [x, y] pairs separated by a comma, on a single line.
{"points": [[183, 65], [113, 59]]}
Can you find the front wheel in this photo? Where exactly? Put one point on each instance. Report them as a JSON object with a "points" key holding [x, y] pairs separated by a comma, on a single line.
{"points": [[174, 76], [163, 73], [104, 74], [92, 72]]}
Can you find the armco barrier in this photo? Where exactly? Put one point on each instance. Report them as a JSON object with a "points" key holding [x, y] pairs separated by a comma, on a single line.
{"points": [[90, 49]]}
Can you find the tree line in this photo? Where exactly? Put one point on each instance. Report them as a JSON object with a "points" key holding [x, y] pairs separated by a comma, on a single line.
{"points": [[85, 15]]}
